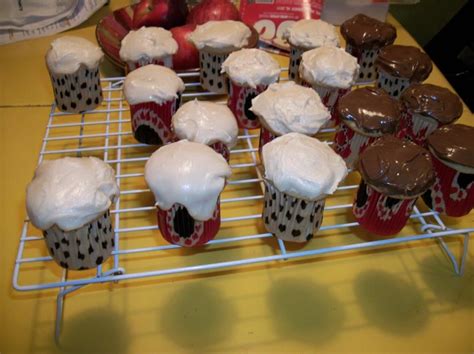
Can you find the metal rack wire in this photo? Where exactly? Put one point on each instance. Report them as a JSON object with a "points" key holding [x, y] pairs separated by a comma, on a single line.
{"points": [[105, 133]]}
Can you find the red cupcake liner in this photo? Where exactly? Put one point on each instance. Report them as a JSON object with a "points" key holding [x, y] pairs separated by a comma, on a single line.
{"points": [[222, 149], [167, 61], [416, 128], [240, 101], [295, 60], [349, 144], [365, 59], [265, 137]]}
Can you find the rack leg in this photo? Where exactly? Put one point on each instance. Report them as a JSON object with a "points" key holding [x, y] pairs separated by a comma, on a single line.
{"points": [[457, 267]]}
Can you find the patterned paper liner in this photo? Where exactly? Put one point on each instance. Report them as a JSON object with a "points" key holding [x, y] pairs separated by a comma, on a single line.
{"points": [[179, 228], [394, 86], [222, 149], [453, 191], [291, 219], [240, 101], [295, 60], [366, 59], [380, 214], [77, 92], [165, 61], [416, 127], [83, 248], [211, 77]]}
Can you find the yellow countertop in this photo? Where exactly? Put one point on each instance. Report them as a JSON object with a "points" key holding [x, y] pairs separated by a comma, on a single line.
{"points": [[402, 298]]}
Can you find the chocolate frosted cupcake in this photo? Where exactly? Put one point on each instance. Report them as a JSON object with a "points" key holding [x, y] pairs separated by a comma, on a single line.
{"points": [[394, 173], [366, 114], [365, 36], [398, 66], [427, 107], [452, 151]]}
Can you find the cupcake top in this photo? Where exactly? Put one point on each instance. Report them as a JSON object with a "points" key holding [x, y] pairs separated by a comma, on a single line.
{"points": [[287, 107], [404, 61], [224, 36], [329, 66], [397, 168], [70, 192], [454, 143], [303, 167], [206, 123], [432, 101], [67, 53], [147, 42], [370, 110], [251, 67], [366, 32], [152, 83], [187, 173], [309, 34]]}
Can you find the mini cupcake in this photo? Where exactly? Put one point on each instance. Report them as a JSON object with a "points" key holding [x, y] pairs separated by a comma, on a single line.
{"points": [[304, 35], [207, 123], [427, 107], [69, 200], [300, 172], [148, 45], [364, 37], [187, 179], [398, 66], [365, 114], [215, 40], [287, 107], [331, 72], [73, 65], [250, 72], [153, 93], [394, 173], [452, 152]]}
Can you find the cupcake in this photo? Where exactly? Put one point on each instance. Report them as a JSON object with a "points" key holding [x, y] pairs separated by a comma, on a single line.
{"points": [[250, 71], [300, 172], [452, 152], [427, 107], [73, 65], [398, 66], [394, 173], [153, 93], [69, 200], [365, 115], [304, 35], [215, 40], [287, 107], [187, 179], [331, 72], [148, 45], [207, 123], [364, 37]]}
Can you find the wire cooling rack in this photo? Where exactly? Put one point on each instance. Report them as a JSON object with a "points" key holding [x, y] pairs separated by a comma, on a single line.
{"points": [[140, 252]]}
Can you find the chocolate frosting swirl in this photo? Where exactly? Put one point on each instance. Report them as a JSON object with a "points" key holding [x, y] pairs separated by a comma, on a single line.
{"points": [[397, 168], [404, 61], [454, 143], [433, 101], [366, 32], [371, 109]]}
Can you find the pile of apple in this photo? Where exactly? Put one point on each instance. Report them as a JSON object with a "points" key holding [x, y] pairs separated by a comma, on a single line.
{"points": [[174, 16]]}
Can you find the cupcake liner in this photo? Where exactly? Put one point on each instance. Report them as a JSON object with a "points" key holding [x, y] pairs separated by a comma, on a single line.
{"points": [[295, 60], [366, 59], [416, 127], [165, 61], [83, 248], [394, 86], [179, 228], [222, 149], [211, 77], [452, 192], [265, 137], [349, 144], [77, 92], [380, 214], [291, 219], [240, 101]]}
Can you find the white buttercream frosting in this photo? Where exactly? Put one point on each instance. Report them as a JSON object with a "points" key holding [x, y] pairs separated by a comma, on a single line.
{"points": [[70, 192], [67, 53], [152, 83], [287, 107], [221, 35], [329, 66], [187, 173], [311, 34], [303, 167], [206, 123], [251, 67], [147, 42]]}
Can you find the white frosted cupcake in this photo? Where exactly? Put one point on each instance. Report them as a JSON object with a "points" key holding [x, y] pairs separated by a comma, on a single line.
{"points": [[73, 65], [69, 200]]}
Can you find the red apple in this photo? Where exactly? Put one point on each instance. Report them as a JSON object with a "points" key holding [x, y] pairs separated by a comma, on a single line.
{"points": [[160, 13], [187, 56], [213, 10]]}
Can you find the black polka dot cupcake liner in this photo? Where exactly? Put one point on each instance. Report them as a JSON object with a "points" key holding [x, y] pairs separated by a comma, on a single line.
{"points": [[211, 77], [165, 61], [240, 101], [394, 86], [366, 59], [416, 127], [83, 248], [77, 92], [291, 219], [295, 60]]}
